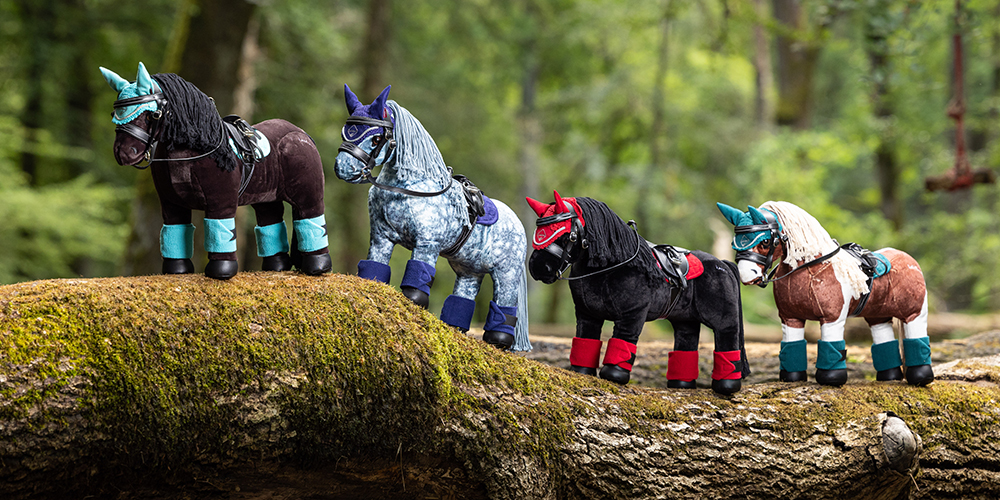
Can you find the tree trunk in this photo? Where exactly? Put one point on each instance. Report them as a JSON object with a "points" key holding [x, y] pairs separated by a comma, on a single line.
{"points": [[657, 131], [877, 31], [169, 386], [205, 49], [797, 56], [764, 105]]}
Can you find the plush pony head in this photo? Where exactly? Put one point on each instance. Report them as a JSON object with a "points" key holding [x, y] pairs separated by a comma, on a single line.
{"points": [[752, 217], [560, 214], [369, 136], [143, 85]]}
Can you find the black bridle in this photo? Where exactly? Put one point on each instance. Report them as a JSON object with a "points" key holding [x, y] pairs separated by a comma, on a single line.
{"points": [[576, 234], [150, 138], [384, 140], [776, 237]]}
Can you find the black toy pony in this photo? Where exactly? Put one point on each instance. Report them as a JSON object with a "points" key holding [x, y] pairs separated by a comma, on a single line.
{"points": [[201, 161], [617, 276]]}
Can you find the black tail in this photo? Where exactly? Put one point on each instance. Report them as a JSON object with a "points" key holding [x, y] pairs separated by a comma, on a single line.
{"points": [[739, 295]]}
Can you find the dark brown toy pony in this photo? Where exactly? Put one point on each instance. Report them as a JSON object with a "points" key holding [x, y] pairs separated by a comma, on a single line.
{"points": [[200, 161]]}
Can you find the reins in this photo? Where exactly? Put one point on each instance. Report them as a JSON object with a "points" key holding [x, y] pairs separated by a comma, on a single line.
{"points": [[811, 263], [638, 246]]}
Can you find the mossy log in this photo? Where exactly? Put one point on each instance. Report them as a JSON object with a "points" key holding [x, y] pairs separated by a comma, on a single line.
{"points": [[274, 384]]}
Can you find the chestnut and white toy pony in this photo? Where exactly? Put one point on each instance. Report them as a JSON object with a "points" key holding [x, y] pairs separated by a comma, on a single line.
{"points": [[817, 279]]}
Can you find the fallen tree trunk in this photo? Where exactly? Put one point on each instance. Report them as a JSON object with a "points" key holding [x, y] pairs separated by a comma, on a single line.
{"points": [[278, 384]]}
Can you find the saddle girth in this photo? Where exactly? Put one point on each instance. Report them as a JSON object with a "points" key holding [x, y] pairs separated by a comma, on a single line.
{"points": [[477, 208], [868, 264], [241, 137]]}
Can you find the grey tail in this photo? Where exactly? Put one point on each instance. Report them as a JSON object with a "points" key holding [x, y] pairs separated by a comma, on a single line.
{"points": [[521, 342], [739, 295]]}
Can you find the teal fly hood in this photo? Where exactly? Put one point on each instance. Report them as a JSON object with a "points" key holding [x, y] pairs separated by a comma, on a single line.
{"points": [[758, 219], [143, 86]]}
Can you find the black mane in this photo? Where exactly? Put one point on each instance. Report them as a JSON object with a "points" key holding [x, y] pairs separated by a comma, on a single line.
{"points": [[612, 241], [193, 122]]}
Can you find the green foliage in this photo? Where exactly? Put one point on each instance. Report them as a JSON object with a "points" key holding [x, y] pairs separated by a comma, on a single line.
{"points": [[481, 74]]}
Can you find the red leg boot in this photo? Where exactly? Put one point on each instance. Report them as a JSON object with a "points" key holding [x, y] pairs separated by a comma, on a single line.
{"points": [[682, 369], [728, 373], [618, 359], [584, 354]]}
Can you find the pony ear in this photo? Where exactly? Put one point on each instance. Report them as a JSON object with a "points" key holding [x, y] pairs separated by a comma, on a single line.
{"points": [[352, 100], [560, 206], [733, 215], [377, 108], [116, 82], [757, 216], [537, 206], [144, 82]]}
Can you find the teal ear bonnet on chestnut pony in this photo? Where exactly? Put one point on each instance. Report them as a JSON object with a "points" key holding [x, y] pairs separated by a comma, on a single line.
{"points": [[746, 241], [143, 85]]}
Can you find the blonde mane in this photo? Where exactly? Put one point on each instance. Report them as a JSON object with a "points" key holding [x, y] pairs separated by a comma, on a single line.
{"points": [[807, 240]]}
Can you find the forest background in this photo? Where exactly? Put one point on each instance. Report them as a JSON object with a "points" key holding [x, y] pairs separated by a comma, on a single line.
{"points": [[658, 108]]}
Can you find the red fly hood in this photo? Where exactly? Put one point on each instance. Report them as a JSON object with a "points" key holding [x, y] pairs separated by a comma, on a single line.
{"points": [[554, 219]]}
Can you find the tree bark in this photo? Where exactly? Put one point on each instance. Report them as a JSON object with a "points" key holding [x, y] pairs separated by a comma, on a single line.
{"points": [[763, 104], [279, 384], [797, 57]]}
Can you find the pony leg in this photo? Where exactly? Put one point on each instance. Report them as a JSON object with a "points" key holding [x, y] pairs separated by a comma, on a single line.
{"points": [[507, 323], [792, 356], [585, 352], [376, 266], [917, 349], [176, 239], [885, 350], [831, 353], [312, 255], [272, 236], [458, 307], [682, 362], [220, 243], [620, 354]]}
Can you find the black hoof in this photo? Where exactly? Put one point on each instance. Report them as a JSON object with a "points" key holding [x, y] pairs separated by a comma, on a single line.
{"points": [[500, 340], [178, 266], [616, 374], [792, 376], [585, 370], [277, 262], [417, 296], [681, 384], [315, 265], [221, 269], [890, 374], [727, 386], [919, 375], [831, 377]]}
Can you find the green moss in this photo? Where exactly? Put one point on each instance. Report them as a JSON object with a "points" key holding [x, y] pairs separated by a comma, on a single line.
{"points": [[340, 366]]}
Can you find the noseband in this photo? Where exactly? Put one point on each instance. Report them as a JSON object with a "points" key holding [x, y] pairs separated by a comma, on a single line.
{"points": [[774, 230], [149, 139], [384, 140]]}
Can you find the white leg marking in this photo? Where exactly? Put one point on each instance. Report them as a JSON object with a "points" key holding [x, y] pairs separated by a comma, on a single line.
{"points": [[789, 334], [883, 333], [834, 330], [918, 327]]}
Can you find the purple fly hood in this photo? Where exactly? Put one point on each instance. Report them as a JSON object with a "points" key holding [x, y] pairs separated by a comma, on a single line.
{"points": [[377, 109]]}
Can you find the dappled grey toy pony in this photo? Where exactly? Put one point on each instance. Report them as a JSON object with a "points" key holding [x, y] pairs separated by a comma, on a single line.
{"points": [[417, 203], [201, 161]]}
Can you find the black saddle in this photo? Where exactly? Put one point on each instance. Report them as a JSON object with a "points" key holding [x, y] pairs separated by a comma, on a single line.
{"points": [[477, 209], [473, 197], [242, 135], [868, 263], [673, 262]]}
